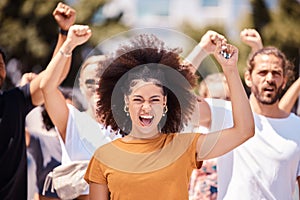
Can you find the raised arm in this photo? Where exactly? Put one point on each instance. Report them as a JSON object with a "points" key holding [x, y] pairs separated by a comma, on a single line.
{"points": [[252, 38], [218, 143], [206, 46], [288, 100], [65, 17], [55, 103]]}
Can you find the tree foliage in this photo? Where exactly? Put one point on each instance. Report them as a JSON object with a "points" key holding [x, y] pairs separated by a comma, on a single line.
{"points": [[283, 31], [28, 31]]}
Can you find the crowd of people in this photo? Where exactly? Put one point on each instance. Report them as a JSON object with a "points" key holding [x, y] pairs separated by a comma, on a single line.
{"points": [[135, 135]]}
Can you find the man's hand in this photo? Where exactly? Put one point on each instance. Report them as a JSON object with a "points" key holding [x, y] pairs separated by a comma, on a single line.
{"points": [[27, 78], [64, 15], [252, 38]]}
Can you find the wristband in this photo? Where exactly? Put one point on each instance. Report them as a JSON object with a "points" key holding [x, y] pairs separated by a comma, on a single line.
{"points": [[67, 55], [63, 32]]}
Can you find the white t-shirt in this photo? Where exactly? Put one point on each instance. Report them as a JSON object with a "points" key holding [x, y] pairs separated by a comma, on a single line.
{"points": [[83, 136], [221, 113], [266, 166]]}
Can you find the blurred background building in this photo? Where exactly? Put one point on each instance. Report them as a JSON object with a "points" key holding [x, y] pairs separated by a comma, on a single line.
{"points": [[28, 31]]}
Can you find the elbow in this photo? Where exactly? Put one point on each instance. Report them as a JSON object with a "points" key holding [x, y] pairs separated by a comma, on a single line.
{"points": [[249, 129], [45, 87], [250, 133], [43, 83]]}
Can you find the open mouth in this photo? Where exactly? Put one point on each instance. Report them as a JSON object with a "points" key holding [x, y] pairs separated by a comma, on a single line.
{"points": [[146, 120], [269, 89]]}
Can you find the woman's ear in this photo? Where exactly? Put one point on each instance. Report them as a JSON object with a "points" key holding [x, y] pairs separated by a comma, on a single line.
{"points": [[248, 79], [126, 99], [165, 100]]}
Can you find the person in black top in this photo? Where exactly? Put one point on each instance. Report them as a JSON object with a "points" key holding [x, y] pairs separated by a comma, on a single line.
{"points": [[15, 104]]}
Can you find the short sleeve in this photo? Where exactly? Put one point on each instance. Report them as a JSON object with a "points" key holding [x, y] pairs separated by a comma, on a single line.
{"points": [[94, 172], [27, 98], [194, 146], [83, 135]]}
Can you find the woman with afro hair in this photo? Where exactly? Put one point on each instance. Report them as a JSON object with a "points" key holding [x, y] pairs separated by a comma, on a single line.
{"points": [[146, 94]]}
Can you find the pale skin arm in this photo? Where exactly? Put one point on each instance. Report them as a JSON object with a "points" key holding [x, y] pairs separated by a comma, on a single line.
{"points": [[98, 191], [288, 100], [65, 17], [55, 103], [205, 47], [243, 128]]}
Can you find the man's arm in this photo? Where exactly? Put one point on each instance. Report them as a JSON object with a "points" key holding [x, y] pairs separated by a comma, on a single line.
{"points": [[65, 17], [288, 100], [252, 38]]}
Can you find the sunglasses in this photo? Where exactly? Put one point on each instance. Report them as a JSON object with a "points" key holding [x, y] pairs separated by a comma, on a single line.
{"points": [[90, 83]]}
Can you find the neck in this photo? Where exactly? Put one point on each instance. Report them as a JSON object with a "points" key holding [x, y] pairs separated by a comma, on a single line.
{"points": [[137, 135], [272, 110], [90, 111]]}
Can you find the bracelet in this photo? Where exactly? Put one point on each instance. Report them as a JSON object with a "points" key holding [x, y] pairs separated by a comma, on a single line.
{"points": [[63, 32], [65, 54]]}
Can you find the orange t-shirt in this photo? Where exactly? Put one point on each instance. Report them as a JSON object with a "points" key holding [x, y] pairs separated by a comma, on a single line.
{"points": [[158, 168]]}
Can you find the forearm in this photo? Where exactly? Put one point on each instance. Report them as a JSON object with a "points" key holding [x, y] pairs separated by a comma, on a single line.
{"points": [[60, 40], [57, 68], [55, 72], [242, 113], [197, 55], [255, 47], [290, 97]]}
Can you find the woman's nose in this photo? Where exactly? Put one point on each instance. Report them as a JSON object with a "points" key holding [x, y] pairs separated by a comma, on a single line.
{"points": [[146, 105]]}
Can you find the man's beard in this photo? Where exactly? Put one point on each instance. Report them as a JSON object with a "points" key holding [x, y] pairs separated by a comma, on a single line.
{"points": [[269, 100]]}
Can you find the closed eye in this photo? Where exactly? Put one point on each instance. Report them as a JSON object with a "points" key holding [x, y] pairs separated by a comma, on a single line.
{"points": [[156, 100], [137, 100]]}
